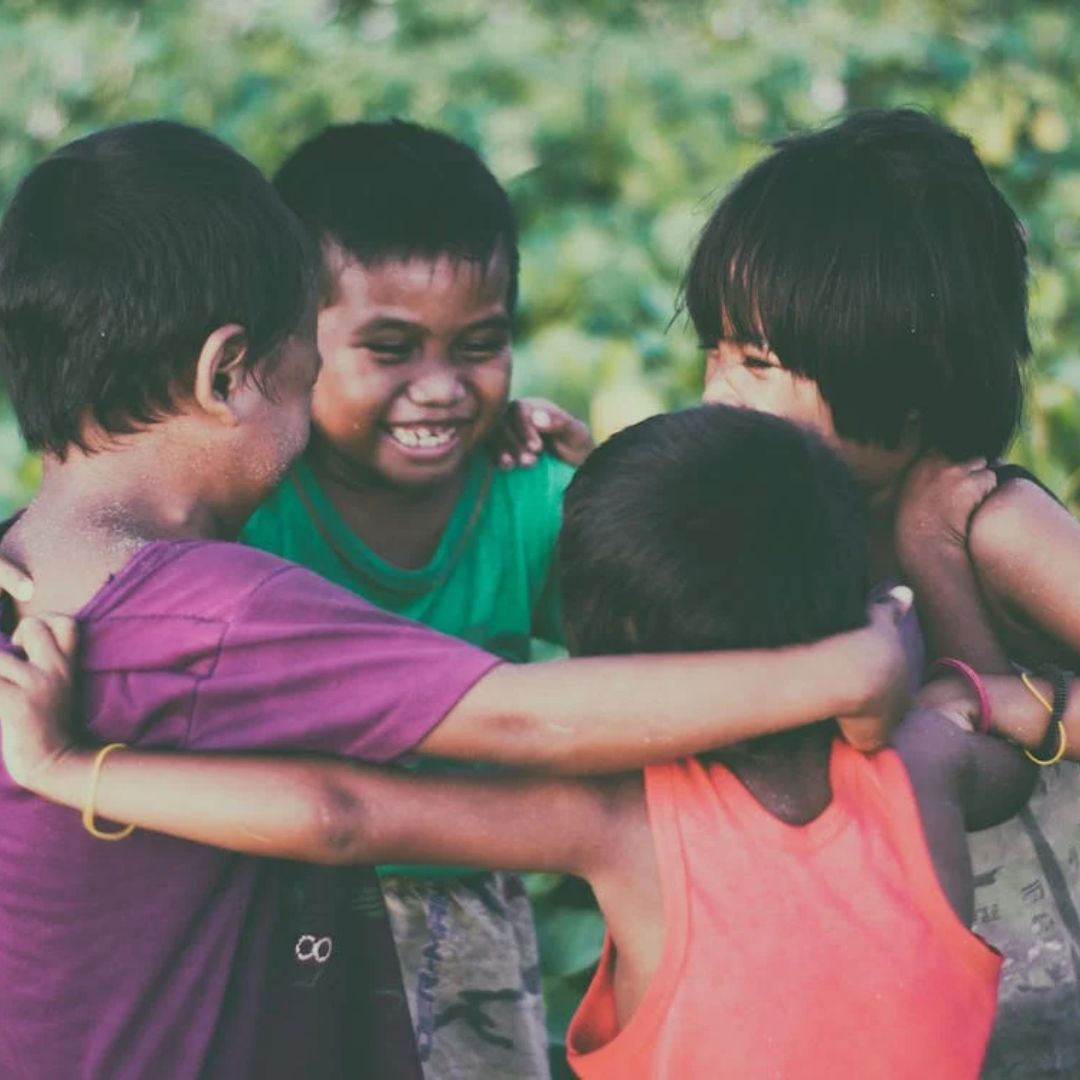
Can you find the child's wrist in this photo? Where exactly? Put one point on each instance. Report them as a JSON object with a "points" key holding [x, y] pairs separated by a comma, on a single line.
{"points": [[973, 687], [873, 690], [61, 776], [1017, 715], [862, 666]]}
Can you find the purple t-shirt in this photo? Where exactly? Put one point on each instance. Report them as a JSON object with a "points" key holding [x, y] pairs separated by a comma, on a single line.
{"points": [[154, 957]]}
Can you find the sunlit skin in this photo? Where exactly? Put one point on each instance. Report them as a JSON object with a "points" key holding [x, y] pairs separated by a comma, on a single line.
{"points": [[195, 474], [279, 419], [416, 372]]}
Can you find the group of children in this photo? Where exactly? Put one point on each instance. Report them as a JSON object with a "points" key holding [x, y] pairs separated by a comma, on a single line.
{"points": [[319, 371]]}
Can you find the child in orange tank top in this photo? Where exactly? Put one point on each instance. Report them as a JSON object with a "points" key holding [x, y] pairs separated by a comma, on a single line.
{"points": [[786, 907]]}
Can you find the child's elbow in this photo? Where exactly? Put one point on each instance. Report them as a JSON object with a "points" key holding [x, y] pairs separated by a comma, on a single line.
{"points": [[338, 832]]}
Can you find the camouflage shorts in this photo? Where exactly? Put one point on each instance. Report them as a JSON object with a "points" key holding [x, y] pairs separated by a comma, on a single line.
{"points": [[471, 971]]}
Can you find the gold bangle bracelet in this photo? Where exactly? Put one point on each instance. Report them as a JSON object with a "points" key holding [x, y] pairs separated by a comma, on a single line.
{"points": [[91, 797], [1058, 754]]}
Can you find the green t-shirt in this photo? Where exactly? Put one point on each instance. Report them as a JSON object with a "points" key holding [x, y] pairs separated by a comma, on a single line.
{"points": [[491, 581]]}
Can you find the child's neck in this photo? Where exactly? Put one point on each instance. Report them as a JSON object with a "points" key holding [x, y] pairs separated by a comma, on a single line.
{"points": [[403, 526], [94, 511], [881, 475], [788, 773]]}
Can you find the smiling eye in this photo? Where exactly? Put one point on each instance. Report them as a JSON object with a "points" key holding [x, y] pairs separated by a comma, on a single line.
{"points": [[389, 352], [758, 363], [483, 348]]}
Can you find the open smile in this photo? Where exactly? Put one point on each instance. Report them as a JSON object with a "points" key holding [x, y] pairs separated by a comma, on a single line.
{"points": [[425, 440]]}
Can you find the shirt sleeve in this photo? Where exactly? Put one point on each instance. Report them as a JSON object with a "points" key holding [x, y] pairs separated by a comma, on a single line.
{"points": [[307, 665]]}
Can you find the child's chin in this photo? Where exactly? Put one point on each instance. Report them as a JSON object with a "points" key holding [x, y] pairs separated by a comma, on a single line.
{"points": [[422, 475]]}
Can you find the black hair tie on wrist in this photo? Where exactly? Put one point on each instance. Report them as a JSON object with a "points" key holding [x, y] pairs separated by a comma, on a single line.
{"points": [[1050, 746]]}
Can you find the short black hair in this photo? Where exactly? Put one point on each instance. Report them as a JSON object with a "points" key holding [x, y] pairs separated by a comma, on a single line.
{"points": [[119, 254], [390, 189], [877, 258], [712, 528]]}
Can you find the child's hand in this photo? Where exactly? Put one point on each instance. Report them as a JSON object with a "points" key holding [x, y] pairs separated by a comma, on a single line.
{"points": [[531, 425], [35, 697], [936, 504], [14, 582], [893, 662]]}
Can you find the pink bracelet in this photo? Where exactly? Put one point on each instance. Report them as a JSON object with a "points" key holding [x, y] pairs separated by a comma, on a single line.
{"points": [[977, 684]]}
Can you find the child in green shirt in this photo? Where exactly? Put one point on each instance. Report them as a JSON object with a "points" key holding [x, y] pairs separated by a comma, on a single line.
{"points": [[398, 500]]}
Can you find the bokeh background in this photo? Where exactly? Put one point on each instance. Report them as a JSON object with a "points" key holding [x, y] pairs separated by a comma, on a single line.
{"points": [[615, 125]]}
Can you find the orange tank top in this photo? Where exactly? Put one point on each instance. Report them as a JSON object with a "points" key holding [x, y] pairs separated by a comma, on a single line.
{"points": [[826, 950]]}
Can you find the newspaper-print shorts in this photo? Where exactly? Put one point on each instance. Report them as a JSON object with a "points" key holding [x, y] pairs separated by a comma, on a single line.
{"points": [[1027, 905], [470, 966]]}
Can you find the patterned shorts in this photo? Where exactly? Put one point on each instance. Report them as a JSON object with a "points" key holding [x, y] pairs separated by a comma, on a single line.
{"points": [[1027, 905], [471, 971]]}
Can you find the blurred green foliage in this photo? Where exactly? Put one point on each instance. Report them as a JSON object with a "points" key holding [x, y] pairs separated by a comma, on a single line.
{"points": [[614, 125]]}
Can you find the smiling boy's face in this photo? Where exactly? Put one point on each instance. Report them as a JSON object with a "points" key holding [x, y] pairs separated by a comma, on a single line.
{"points": [[416, 367]]}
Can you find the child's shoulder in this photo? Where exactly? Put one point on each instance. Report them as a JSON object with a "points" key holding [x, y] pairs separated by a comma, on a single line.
{"points": [[525, 509], [1019, 507], [209, 579], [539, 487]]}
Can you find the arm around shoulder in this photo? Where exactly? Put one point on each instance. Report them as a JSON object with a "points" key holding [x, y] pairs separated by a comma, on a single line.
{"points": [[610, 714], [340, 813]]}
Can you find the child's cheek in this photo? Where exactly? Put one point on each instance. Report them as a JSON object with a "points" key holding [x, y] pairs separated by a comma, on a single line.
{"points": [[718, 392]]}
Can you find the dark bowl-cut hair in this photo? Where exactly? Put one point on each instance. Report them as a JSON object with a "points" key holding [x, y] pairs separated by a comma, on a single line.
{"points": [[713, 528], [877, 258], [119, 254], [384, 190]]}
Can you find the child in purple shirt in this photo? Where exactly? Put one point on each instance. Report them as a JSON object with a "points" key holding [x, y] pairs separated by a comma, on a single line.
{"points": [[157, 342]]}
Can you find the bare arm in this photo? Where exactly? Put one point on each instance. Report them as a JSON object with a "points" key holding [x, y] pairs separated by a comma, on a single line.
{"points": [[1026, 550], [317, 810], [336, 812], [962, 782], [938, 501], [609, 714]]}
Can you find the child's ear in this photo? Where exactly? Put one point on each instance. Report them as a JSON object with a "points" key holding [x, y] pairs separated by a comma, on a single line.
{"points": [[219, 372]]}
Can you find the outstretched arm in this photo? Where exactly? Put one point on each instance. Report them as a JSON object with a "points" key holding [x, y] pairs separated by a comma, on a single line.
{"points": [[316, 810], [584, 715], [336, 812], [608, 714], [611, 714]]}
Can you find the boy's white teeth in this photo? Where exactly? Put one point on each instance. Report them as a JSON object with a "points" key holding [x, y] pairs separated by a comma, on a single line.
{"points": [[425, 438]]}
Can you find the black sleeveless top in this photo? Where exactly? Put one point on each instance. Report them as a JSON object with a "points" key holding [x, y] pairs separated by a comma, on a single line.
{"points": [[1026, 643]]}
